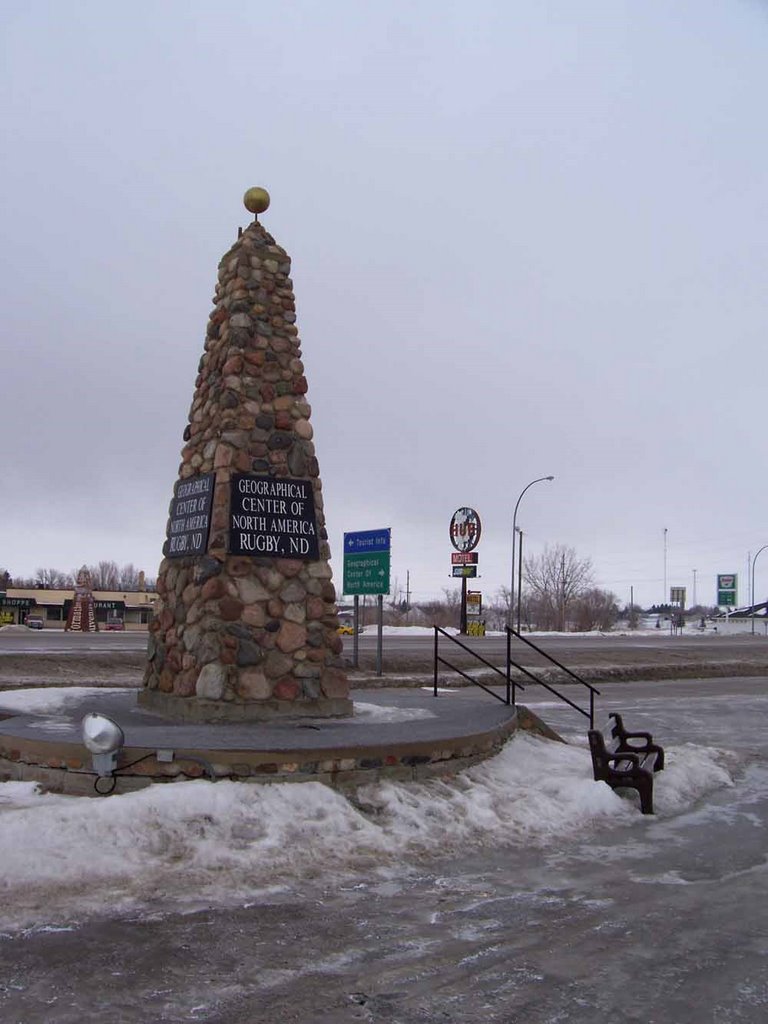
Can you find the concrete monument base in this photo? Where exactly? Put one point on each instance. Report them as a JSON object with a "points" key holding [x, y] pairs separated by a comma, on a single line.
{"points": [[193, 709]]}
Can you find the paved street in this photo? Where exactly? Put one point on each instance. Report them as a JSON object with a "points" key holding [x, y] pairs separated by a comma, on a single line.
{"points": [[403, 653]]}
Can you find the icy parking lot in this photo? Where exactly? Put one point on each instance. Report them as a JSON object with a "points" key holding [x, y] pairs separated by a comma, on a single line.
{"points": [[522, 890]]}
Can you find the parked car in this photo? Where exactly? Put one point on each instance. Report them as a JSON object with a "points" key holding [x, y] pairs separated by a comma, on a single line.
{"points": [[346, 630], [115, 623], [34, 622]]}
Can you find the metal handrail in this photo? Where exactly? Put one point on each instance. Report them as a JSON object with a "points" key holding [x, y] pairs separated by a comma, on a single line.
{"points": [[471, 679], [510, 683], [592, 689]]}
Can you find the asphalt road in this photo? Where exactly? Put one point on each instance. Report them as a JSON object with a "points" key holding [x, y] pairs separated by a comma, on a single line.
{"points": [[735, 654], [20, 640], [654, 921], [579, 647], [52, 657]]}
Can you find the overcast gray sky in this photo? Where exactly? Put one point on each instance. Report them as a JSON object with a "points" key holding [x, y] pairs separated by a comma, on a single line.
{"points": [[528, 238]]}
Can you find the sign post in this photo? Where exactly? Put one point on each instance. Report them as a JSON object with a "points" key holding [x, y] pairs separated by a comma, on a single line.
{"points": [[367, 556], [464, 531], [367, 560], [726, 592], [677, 597]]}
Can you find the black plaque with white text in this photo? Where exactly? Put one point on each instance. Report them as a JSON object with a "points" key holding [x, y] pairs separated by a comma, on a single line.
{"points": [[272, 517], [190, 517]]}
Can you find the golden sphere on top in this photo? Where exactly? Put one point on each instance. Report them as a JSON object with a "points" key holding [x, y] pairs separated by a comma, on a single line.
{"points": [[256, 200]]}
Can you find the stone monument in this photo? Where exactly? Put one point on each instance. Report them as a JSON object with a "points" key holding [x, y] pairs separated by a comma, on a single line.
{"points": [[245, 624], [81, 616]]}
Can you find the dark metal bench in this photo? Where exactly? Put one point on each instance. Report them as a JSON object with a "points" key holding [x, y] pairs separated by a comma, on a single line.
{"points": [[634, 742], [623, 770]]}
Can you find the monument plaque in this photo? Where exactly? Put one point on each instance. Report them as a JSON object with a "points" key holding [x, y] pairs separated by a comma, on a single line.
{"points": [[274, 517], [190, 517]]}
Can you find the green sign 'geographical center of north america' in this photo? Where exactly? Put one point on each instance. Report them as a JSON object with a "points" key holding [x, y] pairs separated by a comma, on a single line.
{"points": [[367, 573]]}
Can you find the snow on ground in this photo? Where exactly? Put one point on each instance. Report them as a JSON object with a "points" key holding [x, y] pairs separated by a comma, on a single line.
{"points": [[54, 701], [663, 631], [50, 700], [196, 843]]}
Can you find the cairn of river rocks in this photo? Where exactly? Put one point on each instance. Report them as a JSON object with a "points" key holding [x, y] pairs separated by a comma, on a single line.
{"points": [[245, 627]]}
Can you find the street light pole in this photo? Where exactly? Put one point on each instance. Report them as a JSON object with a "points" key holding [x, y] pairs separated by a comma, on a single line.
{"points": [[511, 612], [752, 574], [519, 575]]}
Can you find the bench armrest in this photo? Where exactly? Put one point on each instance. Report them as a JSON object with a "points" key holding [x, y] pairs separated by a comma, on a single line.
{"points": [[628, 755], [638, 736]]}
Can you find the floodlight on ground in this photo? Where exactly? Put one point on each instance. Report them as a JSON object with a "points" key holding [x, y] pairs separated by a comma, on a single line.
{"points": [[104, 739]]}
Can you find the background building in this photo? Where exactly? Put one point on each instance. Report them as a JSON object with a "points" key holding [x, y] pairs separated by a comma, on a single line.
{"points": [[115, 609]]}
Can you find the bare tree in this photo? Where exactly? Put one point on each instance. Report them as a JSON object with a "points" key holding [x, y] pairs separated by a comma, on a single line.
{"points": [[633, 614], [556, 578], [496, 610], [595, 609], [24, 582], [128, 577], [53, 579], [442, 613], [104, 576]]}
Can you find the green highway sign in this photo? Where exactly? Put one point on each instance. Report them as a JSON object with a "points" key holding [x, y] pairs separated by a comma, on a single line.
{"points": [[366, 572]]}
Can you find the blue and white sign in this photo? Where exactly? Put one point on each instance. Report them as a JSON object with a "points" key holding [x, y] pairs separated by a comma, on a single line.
{"points": [[367, 561], [364, 542]]}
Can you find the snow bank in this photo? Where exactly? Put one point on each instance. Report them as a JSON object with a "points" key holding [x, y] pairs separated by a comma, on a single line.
{"points": [[193, 843]]}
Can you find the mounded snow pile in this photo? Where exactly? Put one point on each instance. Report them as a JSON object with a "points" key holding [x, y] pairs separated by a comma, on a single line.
{"points": [[193, 843]]}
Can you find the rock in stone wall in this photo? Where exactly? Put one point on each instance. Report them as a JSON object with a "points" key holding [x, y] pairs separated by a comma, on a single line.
{"points": [[258, 634]]}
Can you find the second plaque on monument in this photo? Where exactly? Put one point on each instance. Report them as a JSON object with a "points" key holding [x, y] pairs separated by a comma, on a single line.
{"points": [[272, 517]]}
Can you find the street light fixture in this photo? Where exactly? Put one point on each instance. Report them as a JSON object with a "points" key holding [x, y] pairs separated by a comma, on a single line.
{"points": [[510, 615], [752, 574]]}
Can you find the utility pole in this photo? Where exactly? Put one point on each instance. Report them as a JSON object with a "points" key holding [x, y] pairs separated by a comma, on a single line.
{"points": [[695, 602], [407, 593], [664, 601]]}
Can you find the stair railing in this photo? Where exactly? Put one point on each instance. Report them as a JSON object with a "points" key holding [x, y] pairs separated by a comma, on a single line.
{"points": [[590, 714], [510, 683]]}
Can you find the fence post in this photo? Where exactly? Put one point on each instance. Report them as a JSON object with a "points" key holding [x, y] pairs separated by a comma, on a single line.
{"points": [[435, 663]]}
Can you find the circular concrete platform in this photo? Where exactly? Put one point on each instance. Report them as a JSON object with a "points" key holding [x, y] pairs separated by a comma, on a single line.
{"points": [[403, 734]]}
